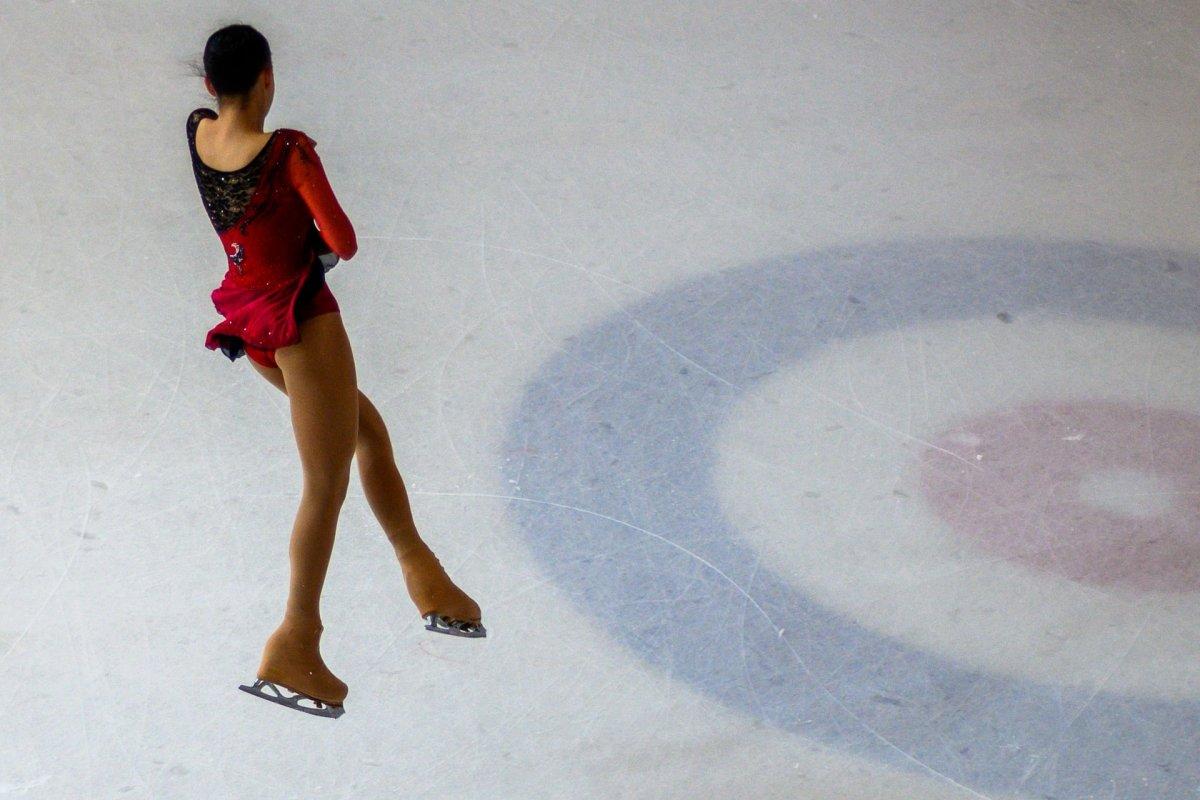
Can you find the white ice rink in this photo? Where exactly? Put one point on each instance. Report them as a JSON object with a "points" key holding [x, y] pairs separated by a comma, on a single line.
{"points": [[808, 392]]}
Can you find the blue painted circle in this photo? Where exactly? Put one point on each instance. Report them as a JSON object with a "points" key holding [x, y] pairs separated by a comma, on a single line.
{"points": [[612, 448]]}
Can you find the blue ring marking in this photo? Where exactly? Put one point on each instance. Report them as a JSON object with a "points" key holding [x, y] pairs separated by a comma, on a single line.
{"points": [[621, 423]]}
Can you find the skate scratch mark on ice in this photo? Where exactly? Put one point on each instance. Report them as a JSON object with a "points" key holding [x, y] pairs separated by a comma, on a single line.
{"points": [[487, 284], [424, 648], [563, 244], [905, 362], [526, 589], [9, 788], [527, 295], [588, 47], [613, 681], [545, 219], [762, 612], [151, 434], [31, 422], [832, 401], [70, 561], [76, 649], [111, 710], [382, 400], [878, 424], [1153, 614], [551, 259], [889, 428], [524, 460], [746, 680], [516, 251], [587, 272], [441, 393]]}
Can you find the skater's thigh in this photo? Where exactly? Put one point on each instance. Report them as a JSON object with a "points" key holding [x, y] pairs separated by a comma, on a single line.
{"points": [[274, 375], [323, 390]]}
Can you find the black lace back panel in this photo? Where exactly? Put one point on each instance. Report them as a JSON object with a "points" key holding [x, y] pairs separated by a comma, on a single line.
{"points": [[226, 195]]}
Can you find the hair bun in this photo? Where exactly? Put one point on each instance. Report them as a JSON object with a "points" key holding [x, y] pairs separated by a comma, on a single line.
{"points": [[234, 57]]}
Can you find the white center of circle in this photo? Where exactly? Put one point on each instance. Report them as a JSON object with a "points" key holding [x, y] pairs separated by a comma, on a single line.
{"points": [[1137, 494], [817, 469]]}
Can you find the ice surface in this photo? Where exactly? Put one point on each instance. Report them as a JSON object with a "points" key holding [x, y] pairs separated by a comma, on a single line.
{"points": [[626, 272]]}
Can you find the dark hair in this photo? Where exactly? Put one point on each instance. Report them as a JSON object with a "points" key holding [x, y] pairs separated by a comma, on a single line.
{"points": [[234, 57]]}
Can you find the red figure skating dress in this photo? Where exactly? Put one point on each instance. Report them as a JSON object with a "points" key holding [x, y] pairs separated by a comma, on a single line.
{"points": [[264, 214]]}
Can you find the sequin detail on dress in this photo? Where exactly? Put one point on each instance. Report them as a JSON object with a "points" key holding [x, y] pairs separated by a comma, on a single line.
{"points": [[227, 195]]}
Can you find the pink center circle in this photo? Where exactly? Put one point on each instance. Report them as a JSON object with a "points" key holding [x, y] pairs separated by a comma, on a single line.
{"points": [[1022, 484]]}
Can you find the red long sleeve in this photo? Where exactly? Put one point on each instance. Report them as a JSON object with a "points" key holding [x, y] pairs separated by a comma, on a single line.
{"points": [[308, 176]]}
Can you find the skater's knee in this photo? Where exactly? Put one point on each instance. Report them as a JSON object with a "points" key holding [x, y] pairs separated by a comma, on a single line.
{"points": [[330, 484]]}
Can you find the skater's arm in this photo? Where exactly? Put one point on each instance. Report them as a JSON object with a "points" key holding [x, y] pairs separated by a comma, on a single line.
{"points": [[308, 176]]}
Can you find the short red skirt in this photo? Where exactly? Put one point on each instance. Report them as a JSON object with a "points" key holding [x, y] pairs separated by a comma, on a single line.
{"points": [[258, 322]]}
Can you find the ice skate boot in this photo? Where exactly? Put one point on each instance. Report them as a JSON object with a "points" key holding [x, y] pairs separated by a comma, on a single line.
{"points": [[444, 607], [292, 674]]}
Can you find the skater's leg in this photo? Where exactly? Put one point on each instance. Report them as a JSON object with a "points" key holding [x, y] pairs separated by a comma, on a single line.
{"points": [[319, 373], [431, 589], [429, 586], [381, 479], [273, 374], [322, 386]]}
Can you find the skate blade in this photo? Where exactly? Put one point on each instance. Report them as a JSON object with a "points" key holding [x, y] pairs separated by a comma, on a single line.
{"points": [[454, 627], [297, 700]]}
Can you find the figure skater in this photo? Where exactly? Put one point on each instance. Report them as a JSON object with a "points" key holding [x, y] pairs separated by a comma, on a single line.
{"points": [[282, 228]]}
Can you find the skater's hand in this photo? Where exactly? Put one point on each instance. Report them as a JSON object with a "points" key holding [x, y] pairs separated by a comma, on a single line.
{"points": [[328, 258]]}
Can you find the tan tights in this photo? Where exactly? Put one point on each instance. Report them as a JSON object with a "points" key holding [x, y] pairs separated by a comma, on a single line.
{"points": [[333, 422]]}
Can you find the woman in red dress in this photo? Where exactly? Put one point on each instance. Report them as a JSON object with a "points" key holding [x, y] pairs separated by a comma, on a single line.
{"points": [[263, 193]]}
